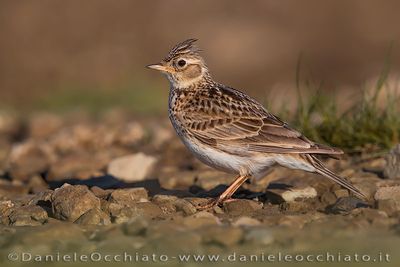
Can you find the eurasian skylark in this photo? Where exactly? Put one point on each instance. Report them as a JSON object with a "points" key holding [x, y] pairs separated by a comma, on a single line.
{"points": [[230, 131]]}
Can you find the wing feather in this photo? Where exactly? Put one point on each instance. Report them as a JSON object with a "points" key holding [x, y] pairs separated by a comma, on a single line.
{"points": [[231, 120]]}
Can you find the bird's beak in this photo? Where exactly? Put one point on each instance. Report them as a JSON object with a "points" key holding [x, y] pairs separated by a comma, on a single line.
{"points": [[158, 66]]}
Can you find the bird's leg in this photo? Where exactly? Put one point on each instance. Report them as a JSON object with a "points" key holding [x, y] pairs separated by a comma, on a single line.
{"points": [[227, 194]]}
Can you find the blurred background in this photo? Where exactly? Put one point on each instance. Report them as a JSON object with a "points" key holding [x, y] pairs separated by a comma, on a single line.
{"points": [[78, 106], [61, 55]]}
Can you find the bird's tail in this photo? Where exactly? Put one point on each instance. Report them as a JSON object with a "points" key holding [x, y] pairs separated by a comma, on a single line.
{"points": [[321, 169]]}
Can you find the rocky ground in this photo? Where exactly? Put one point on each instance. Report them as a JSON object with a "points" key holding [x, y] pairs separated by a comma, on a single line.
{"points": [[76, 183]]}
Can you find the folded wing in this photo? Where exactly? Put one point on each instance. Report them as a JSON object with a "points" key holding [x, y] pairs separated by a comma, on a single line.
{"points": [[229, 120]]}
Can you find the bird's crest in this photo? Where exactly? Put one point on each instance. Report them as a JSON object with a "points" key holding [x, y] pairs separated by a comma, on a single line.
{"points": [[185, 47]]}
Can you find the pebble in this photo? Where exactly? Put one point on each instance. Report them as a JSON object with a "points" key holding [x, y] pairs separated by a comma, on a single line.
{"points": [[166, 203], [14, 188], [201, 219], [185, 206], [389, 206], [297, 206], [368, 188], [94, 216], [128, 196], [241, 207], [37, 184], [6, 207], [371, 215], [328, 198], [30, 215], [43, 196], [131, 168], [346, 204], [299, 194], [100, 192], [71, 202], [113, 218], [389, 192], [392, 168], [341, 193], [122, 214]]}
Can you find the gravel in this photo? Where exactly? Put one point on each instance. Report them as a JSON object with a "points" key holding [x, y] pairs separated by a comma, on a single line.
{"points": [[149, 201]]}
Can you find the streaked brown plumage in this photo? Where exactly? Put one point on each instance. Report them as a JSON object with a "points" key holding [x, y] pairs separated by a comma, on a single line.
{"points": [[229, 130]]}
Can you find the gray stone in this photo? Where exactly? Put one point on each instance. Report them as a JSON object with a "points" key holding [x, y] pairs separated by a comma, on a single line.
{"points": [[368, 188], [389, 192], [201, 219], [346, 204], [43, 196], [12, 189], [371, 215], [122, 214], [166, 203], [341, 193], [30, 215], [299, 194], [185, 206], [241, 207], [164, 199], [6, 207], [100, 193], [37, 184], [278, 195], [71, 202], [130, 168], [129, 196], [387, 205], [392, 168], [328, 198], [297, 206], [94, 216]]}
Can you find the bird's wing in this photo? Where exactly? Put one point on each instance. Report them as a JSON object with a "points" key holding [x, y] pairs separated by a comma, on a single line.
{"points": [[229, 120]]}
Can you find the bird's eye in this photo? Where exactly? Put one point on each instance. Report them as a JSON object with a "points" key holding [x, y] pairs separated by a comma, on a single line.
{"points": [[181, 63]]}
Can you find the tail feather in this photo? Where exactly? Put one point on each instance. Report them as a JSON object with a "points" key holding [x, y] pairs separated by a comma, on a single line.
{"points": [[321, 169]]}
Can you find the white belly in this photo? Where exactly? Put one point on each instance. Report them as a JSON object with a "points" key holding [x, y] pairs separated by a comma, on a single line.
{"points": [[255, 166]]}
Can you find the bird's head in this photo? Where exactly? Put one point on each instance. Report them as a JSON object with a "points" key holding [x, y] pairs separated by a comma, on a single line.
{"points": [[183, 65]]}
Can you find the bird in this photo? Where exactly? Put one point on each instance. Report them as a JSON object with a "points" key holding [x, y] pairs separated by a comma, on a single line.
{"points": [[229, 130]]}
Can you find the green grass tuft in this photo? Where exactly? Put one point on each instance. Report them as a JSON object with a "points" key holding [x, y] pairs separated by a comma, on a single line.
{"points": [[364, 124]]}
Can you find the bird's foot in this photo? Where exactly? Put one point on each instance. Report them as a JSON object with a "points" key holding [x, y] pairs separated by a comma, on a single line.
{"points": [[211, 203], [214, 202], [208, 204]]}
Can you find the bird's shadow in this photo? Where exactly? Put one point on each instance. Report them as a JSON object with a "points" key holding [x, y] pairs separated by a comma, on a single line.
{"points": [[154, 187]]}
